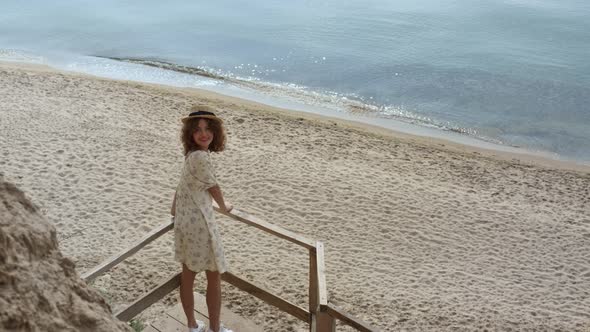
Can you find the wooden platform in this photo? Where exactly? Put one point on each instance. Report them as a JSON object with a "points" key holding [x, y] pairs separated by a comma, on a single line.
{"points": [[174, 319]]}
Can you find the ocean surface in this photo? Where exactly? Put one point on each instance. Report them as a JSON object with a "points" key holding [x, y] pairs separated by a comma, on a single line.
{"points": [[513, 73]]}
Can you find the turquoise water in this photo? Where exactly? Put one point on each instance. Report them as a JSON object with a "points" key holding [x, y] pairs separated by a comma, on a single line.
{"points": [[510, 72]]}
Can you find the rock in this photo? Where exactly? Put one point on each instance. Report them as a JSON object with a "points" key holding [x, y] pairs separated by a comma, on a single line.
{"points": [[40, 289]]}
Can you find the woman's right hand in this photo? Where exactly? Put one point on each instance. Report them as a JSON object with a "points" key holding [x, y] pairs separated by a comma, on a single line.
{"points": [[228, 207]]}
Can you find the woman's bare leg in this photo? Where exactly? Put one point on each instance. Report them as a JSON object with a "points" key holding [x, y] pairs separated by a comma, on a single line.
{"points": [[187, 280], [213, 299]]}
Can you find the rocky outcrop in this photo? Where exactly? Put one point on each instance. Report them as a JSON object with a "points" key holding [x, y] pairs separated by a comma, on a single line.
{"points": [[39, 288]]}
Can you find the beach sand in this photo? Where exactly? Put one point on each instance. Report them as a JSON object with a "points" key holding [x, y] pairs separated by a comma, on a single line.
{"points": [[420, 234]]}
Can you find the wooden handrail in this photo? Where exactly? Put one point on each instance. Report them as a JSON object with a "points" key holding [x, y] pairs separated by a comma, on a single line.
{"points": [[149, 298], [117, 258], [267, 296], [268, 227], [348, 319], [320, 312]]}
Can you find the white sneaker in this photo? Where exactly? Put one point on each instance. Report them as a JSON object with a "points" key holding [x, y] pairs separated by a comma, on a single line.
{"points": [[200, 327], [222, 329]]}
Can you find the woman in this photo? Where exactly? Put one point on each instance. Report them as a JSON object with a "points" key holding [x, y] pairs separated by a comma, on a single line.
{"points": [[196, 238]]}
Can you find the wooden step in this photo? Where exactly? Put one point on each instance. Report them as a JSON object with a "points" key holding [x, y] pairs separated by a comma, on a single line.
{"points": [[174, 319]]}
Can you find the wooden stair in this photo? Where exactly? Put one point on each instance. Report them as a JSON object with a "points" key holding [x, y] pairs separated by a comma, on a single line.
{"points": [[174, 319], [320, 314]]}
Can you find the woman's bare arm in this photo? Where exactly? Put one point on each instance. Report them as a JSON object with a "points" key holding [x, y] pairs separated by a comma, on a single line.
{"points": [[215, 192]]}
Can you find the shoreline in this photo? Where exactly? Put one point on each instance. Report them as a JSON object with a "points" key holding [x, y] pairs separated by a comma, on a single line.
{"points": [[492, 150]]}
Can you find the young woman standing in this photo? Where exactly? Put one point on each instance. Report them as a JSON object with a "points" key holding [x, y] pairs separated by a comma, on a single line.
{"points": [[196, 237]]}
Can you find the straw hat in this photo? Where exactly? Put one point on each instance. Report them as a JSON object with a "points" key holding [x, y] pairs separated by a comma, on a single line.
{"points": [[203, 112]]}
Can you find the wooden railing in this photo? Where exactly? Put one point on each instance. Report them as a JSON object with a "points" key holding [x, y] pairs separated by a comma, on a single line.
{"points": [[320, 315]]}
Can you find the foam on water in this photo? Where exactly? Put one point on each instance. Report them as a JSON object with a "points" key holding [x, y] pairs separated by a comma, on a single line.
{"points": [[288, 96]]}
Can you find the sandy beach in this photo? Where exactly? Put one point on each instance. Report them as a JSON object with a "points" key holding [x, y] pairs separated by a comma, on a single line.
{"points": [[420, 234]]}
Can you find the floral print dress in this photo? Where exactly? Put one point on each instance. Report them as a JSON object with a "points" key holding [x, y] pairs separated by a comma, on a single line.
{"points": [[196, 237]]}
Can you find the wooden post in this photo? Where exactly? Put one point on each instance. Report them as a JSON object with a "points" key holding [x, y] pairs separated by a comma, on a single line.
{"points": [[313, 290], [324, 322], [321, 321]]}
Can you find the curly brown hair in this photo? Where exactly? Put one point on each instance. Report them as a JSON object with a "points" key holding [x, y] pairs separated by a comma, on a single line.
{"points": [[190, 126]]}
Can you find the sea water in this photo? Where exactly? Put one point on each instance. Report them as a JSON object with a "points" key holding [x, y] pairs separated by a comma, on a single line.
{"points": [[511, 73]]}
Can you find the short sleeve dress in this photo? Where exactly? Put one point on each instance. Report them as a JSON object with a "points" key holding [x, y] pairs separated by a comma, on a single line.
{"points": [[196, 237]]}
